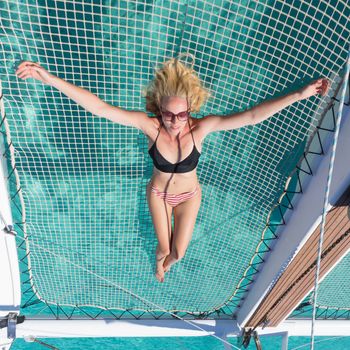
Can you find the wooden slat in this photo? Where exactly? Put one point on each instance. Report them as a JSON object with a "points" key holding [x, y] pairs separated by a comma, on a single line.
{"points": [[298, 278]]}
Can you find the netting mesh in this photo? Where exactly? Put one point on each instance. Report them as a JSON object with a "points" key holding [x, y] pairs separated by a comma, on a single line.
{"points": [[82, 179], [336, 283], [333, 298]]}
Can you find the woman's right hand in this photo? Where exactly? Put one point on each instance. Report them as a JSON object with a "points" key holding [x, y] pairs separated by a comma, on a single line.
{"points": [[28, 69]]}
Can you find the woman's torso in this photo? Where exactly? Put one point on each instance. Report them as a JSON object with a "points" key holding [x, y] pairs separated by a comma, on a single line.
{"points": [[175, 151]]}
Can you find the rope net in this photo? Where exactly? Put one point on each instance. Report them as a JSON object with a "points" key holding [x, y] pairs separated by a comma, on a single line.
{"points": [[78, 181], [333, 298], [336, 284]]}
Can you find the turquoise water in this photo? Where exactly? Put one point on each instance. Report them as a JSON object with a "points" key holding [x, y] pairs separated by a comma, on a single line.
{"points": [[208, 343], [52, 148], [83, 178]]}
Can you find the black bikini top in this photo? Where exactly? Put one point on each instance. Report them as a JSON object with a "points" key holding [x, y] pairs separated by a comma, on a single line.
{"points": [[184, 166]]}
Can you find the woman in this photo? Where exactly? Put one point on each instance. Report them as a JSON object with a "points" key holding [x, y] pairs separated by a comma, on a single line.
{"points": [[175, 141]]}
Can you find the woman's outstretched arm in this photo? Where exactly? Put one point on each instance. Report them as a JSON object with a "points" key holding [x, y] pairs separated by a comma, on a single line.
{"points": [[264, 110], [268, 108], [83, 97]]}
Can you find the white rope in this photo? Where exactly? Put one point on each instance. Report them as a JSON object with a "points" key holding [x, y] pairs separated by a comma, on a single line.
{"points": [[133, 294], [2, 114], [325, 203]]}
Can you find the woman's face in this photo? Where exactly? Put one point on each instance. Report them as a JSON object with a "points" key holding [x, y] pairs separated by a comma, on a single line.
{"points": [[174, 105]]}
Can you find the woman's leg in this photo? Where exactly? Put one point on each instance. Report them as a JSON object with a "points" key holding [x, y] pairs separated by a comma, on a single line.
{"points": [[185, 215], [161, 213]]}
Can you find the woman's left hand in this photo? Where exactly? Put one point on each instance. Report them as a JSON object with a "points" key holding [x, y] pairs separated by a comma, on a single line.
{"points": [[319, 86]]}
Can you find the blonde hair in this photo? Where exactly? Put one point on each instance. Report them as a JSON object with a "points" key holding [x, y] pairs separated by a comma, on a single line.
{"points": [[175, 78]]}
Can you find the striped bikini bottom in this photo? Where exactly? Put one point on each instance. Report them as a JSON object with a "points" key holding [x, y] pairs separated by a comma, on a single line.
{"points": [[174, 199]]}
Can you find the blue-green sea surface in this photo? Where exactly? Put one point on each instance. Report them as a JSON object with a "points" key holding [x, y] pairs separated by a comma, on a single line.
{"points": [[181, 343]]}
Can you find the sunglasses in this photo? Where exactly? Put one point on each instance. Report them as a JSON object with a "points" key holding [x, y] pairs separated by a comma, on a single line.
{"points": [[182, 116]]}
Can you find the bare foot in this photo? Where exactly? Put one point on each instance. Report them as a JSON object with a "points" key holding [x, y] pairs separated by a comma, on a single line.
{"points": [[168, 262], [160, 269], [166, 268]]}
